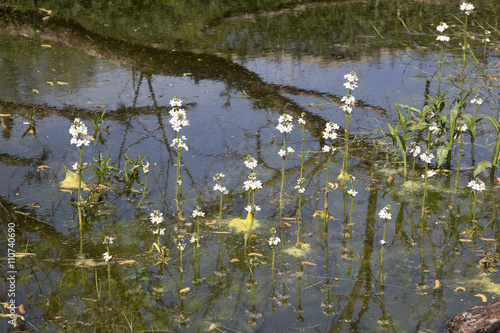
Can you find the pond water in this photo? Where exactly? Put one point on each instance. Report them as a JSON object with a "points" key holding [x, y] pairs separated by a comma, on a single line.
{"points": [[238, 66]]}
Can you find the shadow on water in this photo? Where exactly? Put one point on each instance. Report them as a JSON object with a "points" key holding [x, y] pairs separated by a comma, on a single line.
{"points": [[223, 64]]}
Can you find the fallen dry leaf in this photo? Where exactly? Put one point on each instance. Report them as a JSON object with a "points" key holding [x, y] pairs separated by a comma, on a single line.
{"points": [[47, 46], [66, 190], [184, 290], [50, 83], [35, 91], [61, 83], [437, 284], [483, 298], [46, 18], [253, 254], [459, 288], [48, 11], [42, 167], [126, 262], [308, 263], [234, 260], [464, 240]]}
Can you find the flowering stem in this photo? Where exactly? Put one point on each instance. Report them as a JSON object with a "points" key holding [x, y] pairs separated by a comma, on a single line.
{"points": [[346, 152], [79, 203], [143, 190], [299, 217], [440, 65], [458, 161], [282, 183], [178, 178], [327, 186], [382, 254]]}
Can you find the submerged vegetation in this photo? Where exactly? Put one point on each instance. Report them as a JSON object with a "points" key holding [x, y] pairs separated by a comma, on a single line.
{"points": [[181, 242]]}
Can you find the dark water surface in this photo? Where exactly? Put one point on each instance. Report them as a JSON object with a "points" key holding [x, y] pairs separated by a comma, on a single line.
{"points": [[237, 66]]}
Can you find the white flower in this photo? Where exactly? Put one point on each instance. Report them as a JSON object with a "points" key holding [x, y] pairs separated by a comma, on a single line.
{"points": [[442, 27], [384, 213], [219, 176], [430, 173], [248, 208], [462, 128], [382, 242], [433, 127], [197, 212], [427, 157], [485, 40], [476, 185], [175, 102], [290, 150], [179, 182], [156, 217], [108, 240], [106, 256], [179, 143], [477, 101], [273, 241], [302, 121], [352, 193], [78, 130], [329, 132], [282, 153], [443, 38], [348, 100], [221, 189], [252, 183], [193, 239], [352, 81], [415, 151], [145, 168], [467, 7], [181, 246], [285, 123], [75, 166], [326, 148], [250, 162]]}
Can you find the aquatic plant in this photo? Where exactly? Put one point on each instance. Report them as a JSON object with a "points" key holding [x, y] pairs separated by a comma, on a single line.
{"points": [[178, 120], [301, 181], [285, 126], [328, 134], [349, 101]]}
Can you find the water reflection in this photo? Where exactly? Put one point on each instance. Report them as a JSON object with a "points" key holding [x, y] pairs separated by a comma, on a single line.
{"points": [[233, 106]]}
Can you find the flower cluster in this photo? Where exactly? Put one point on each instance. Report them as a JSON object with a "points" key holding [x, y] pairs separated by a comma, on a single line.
{"points": [[429, 174], [108, 240], [385, 213], [467, 7], [179, 118], [329, 132], [156, 217], [248, 208], [351, 84], [180, 244], [285, 123], [79, 132], [218, 187], [477, 185], [301, 121], [352, 193], [252, 183], [197, 212], [284, 153], [427, 157], [274, 240], [179, 143], [352, 81], [300, 185], [442, 27], [477, 101], [250, 162], [145, 168], [415, 150]]}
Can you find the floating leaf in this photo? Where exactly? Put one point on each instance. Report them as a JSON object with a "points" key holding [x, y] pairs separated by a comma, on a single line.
{"points": [[61, 83], [71, 181], [242, 225]]}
